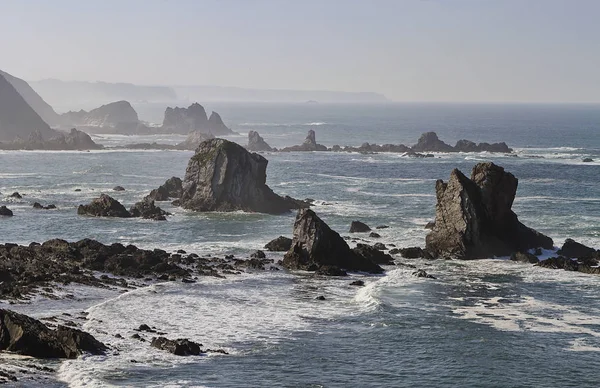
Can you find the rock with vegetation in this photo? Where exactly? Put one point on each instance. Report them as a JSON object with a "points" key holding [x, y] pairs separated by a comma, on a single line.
{"points": [[224, 176], [474, 218]]}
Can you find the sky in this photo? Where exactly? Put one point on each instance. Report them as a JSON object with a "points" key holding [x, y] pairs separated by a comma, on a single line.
{"points": [[409, 50]]}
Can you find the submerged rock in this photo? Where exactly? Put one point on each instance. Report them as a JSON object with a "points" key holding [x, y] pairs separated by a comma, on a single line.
{"points": [[257, 143], [27, 336], [359, 227], [422, 274], [104, 206], [224, 176], [118, 188], [315, 245], [172, 188], [280, 244], [474, 217], [5, 212]]}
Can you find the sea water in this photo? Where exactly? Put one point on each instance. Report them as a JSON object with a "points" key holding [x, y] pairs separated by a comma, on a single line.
{"points": [[492, 323]]}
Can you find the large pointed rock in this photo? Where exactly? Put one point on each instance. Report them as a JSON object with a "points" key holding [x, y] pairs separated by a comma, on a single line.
{"points": [[224, 176], [257, 143], [315, 245], [474, 218], [193, 118], [310, 144], [104, 206]]}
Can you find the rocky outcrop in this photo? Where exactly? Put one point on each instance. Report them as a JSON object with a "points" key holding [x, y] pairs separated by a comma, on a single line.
{"points": [[116, 117], [27, 336], [104, 206], [37, 103], [39, 206], [172, 188], [474, 217], [193, 118], [146, 209], [280, 244], [179, 347], [74, 140], [256, 143], [572, 248], [469, 146], [194, 139], [224, 176], [589, 266], [310, 144], [315, 245], [372, 254], [429, 142], [17, 119], [5, 212], [359, 227]]}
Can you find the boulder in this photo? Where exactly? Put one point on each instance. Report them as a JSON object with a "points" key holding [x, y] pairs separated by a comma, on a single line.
{"points": [[224, 176], [256, 143], [572, 248], [27, 336], [373, 254], [179, 347], [474, 217], [5, 212], [374, 235], [310, 144], [172, 188], [315, 245], [147, 209], [280, 244], [412, 252], [359, 227], [104, 206]]}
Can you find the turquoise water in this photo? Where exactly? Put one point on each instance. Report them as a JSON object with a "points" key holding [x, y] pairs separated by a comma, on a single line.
{"points": [[488, 323]]}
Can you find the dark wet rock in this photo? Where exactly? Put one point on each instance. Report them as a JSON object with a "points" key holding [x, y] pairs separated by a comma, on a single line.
{"points": [[146, 328], [572, 248], [104, 206], [194, 139], [77, 190], [37, 205], [380, 246], [179, 347], [315, 245], [429, 142], [310, 144], [138, 337], [413, 253], [330, 270], [146, 209], [373, 254], [27, 336], [280, 244], [422, 274], [474, 217], [256, 143], [16, 195], [587, 160], [524, 257], [320, 297], [359, 227], [430, 225], [224, 176], [382, 227], [560, 262], [118, 188], [5, 212], [172, 188], [357, 283], [258, 255], [374, 235], [394, 251]]}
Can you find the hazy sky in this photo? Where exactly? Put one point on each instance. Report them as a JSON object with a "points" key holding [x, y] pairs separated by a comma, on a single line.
{"points": [[410, 50]]}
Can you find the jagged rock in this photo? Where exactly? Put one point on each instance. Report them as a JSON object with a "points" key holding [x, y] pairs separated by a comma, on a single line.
{"points": [[216, 125], [194, 139], [280, 244], [382, 227], [179, 347], [315, 245], [572, 248], [559, 262], [422, 274], [5, 212], [118, 188], [373, 254], [310, 144], [256, 143], [359, 227], [469, 146], [429, 142], [524, 257], [27, 336], [104, 206], [147, 209], [474, 217], [224, 176], [172, 188], [193, 118], [16, 195], [37, 205]]}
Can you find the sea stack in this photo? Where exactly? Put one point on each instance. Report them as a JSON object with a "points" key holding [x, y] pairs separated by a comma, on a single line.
{"points": [[474, 219], [193, 118], [256, 143], [310, 144], [224, 176]]}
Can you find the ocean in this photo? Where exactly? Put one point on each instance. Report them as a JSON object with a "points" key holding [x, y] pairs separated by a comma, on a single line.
{"points": [[484, 323]]}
